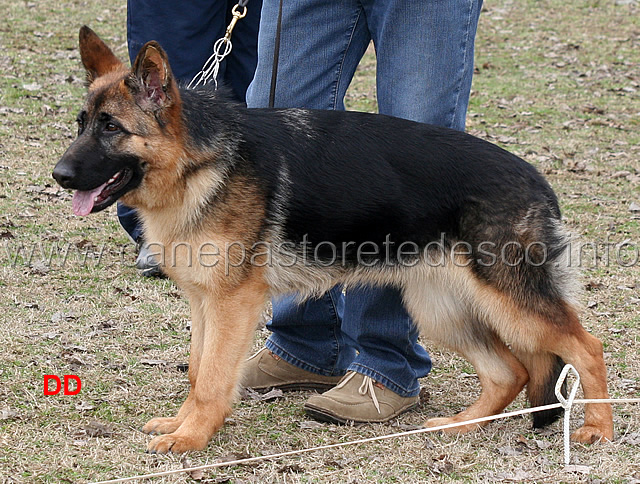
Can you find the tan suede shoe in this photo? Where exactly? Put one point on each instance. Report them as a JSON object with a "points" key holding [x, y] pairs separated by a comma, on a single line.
{"points": [[265, 370], [358, 398]]}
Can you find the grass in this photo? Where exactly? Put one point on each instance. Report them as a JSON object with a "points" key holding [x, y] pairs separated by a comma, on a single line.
{"points": [[557, 83]]}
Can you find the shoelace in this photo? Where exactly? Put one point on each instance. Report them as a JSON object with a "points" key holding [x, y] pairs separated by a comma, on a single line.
{"points": [[366, 387]]}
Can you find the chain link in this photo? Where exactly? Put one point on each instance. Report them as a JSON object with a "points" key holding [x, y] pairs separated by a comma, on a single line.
{"points": [[221, 49]]}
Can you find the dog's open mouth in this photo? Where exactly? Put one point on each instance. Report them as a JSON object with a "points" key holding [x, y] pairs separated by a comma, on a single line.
{"points": [[86, 202]]}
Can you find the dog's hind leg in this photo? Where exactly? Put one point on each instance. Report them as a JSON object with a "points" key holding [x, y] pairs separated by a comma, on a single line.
{"points": [[229, 325], [571, 342], [166, 425], [445, 310], [501, 376], [551, 327]]}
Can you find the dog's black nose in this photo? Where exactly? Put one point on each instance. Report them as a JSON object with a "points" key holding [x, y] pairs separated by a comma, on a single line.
{"points": [[63, 174]]}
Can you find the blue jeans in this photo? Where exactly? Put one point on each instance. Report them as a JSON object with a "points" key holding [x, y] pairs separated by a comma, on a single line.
{"points": [[424, 53], [187, 32]]}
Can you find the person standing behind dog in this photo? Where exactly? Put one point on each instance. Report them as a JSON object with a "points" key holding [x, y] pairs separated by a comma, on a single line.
{"points": [[361, 347], [187, 32]]}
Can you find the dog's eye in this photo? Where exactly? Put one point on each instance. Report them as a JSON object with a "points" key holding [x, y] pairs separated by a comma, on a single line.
{"points": [[80, 120], [111, 127]]}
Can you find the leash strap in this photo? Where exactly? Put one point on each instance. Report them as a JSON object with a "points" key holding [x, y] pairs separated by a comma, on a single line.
{"points": [[221, 49], [276, 58]]}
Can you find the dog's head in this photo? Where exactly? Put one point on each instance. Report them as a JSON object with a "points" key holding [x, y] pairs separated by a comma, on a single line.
{"points": [[127, 118]]}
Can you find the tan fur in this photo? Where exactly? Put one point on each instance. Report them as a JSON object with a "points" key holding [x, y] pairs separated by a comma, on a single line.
{"points": [[106, 80], [584, 351], [443, 312], [223, 328], [226, 306], [96, 57]]}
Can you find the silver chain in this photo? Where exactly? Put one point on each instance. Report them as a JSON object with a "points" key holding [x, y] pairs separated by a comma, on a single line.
{"points": [[221, 49]]}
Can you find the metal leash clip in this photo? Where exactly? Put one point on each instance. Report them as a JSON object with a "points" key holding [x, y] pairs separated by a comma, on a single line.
{"points": [[237, 15], [221, 49]]}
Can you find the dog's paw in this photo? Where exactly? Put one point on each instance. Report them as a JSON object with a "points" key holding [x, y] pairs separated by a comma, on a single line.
{"points": [[589, 434], [461, 429], [176, 443], [161, 425]]}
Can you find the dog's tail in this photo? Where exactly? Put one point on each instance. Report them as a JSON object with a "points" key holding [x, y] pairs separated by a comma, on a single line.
{"points": [[544, 370]]}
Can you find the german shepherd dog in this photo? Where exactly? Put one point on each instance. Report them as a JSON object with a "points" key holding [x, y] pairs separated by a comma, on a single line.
{"points": [[296, 200]]}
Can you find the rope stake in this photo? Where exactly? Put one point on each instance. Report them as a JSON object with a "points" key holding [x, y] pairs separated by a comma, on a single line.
{"points": [[567, 404]]}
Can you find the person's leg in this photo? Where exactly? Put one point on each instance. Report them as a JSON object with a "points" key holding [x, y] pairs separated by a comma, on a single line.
{"points": [[377, 324], [129, 221], [187, 33], [321, 45], [320, 48], [424, 68], [308, 335], [241, 62], [424, 56]]}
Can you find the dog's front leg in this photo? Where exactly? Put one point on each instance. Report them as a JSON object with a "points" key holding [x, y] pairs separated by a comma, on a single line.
{"points": [[229, 325], [166, 425]]}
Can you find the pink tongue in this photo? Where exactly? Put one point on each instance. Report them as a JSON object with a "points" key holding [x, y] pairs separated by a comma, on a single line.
{"points": [[83, 201]]}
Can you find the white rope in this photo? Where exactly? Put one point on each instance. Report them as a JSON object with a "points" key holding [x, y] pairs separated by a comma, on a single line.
{"points": [[567, 404]]}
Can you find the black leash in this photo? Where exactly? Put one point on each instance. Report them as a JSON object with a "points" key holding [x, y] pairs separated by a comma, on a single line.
{"points": [[276, 57]]}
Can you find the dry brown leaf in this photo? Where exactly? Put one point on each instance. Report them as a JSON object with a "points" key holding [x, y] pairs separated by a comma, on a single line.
{"points": [[310, 424], [197, 474], [97, 429], [274, 394], [291, 468], [8, 414]]}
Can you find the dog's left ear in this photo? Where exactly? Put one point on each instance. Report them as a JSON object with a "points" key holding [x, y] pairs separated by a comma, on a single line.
{"points": [[151, 80]]}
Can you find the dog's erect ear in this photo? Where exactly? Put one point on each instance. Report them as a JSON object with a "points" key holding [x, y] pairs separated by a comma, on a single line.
{"points": [[97, 58], [151, 81]]}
